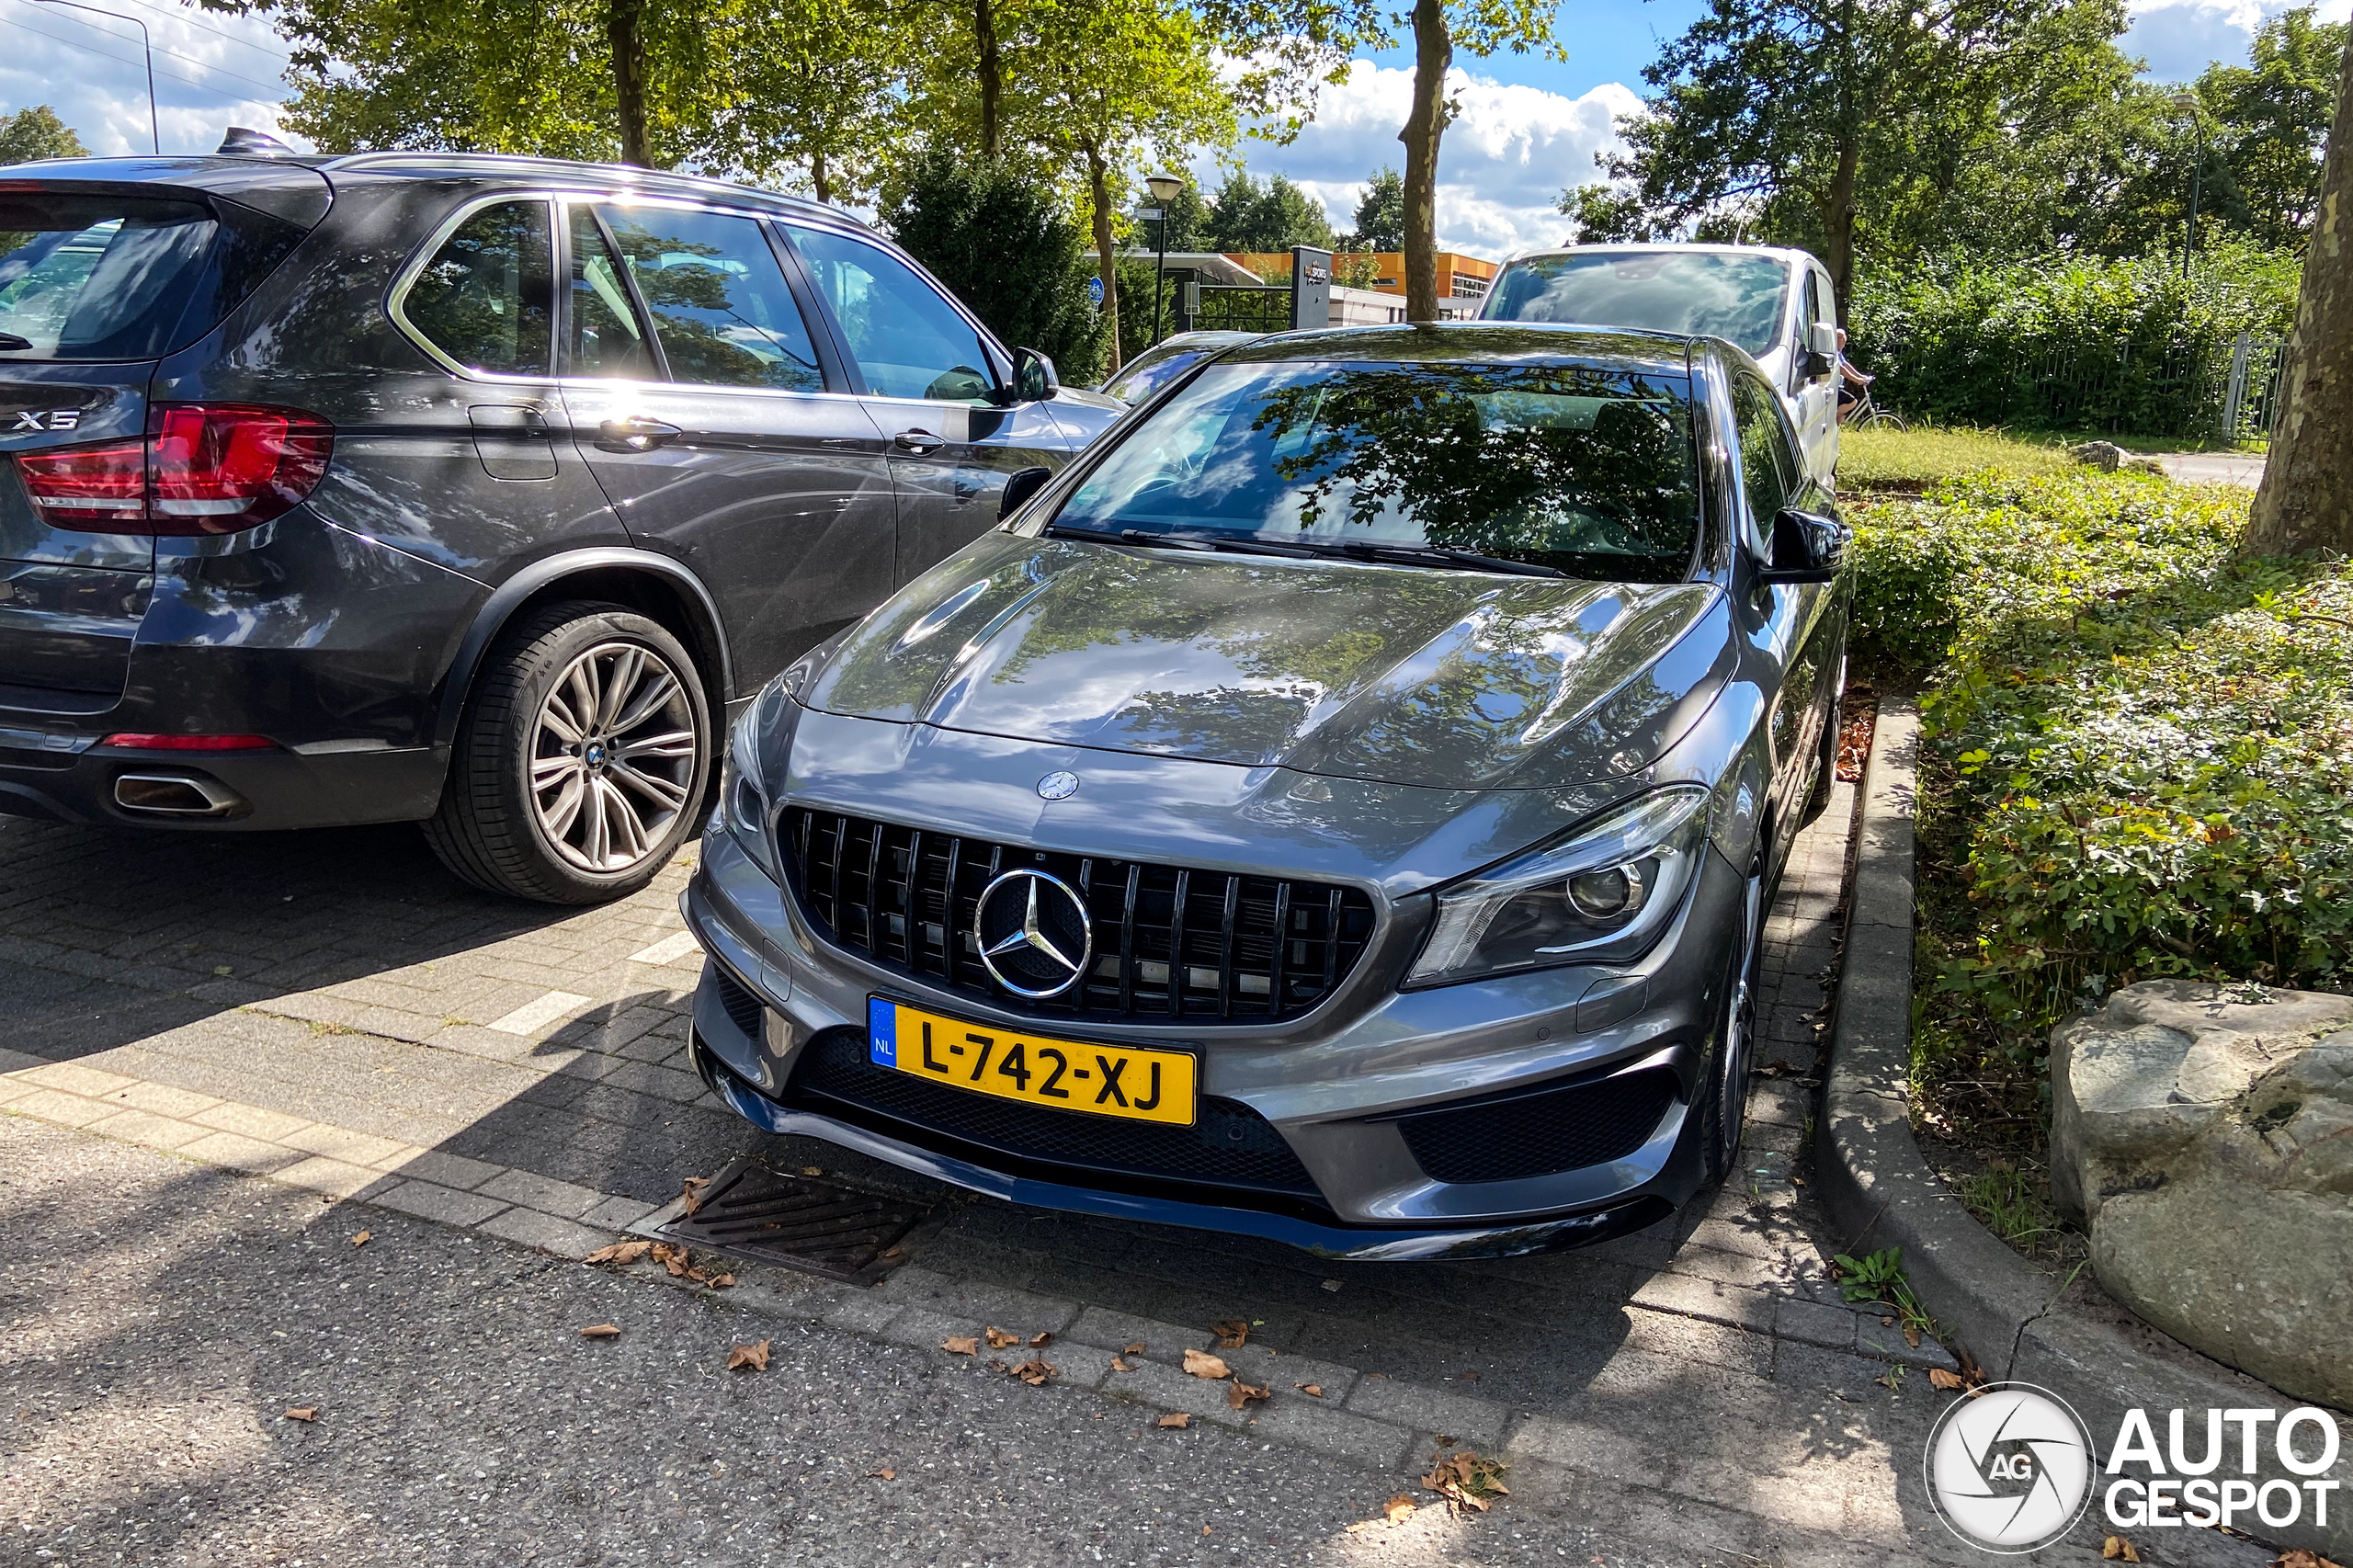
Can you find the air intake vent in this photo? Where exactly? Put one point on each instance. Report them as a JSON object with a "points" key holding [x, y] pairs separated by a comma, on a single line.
{"points": [[1170, 942], [1542, 1133]]}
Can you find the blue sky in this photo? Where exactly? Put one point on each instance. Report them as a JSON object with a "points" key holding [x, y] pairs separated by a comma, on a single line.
{"points": [[1530, 126]]}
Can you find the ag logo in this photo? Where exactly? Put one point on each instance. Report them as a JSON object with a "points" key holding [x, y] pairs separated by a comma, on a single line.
{"points": [[54, 419], [2011, 1470]]}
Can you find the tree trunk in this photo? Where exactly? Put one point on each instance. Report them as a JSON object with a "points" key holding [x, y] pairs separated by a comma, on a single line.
{"points": [[1098, 185], [819, 186], [622, 34], [992, 73], [1433, 56], [1838, 226], [2305, 503]]}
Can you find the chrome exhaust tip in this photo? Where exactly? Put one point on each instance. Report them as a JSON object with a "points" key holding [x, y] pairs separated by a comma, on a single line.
{"points": [[176, 795]]}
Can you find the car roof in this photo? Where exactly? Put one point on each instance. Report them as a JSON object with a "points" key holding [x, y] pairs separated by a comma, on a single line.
{"points": [[233, 174], [1625, 348]]}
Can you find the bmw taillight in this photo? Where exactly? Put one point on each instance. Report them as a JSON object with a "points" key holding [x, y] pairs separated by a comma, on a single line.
{"points": [[205, 468]]}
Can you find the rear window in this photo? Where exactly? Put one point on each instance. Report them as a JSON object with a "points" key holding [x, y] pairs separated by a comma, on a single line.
{"points": [[1704, 293], [104, 277]]}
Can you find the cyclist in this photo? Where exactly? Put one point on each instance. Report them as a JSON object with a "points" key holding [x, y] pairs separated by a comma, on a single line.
{"points": [[1852, 383]]}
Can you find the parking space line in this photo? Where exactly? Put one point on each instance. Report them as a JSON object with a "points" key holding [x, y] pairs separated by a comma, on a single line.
{"points": [[668, 950], [533, 1016]]}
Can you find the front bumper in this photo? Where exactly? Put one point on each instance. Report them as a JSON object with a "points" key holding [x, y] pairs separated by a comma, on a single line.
{"points": [[1335, 1084]]}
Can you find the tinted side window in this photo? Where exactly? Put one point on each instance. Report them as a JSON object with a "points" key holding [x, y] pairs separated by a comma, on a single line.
{"points": [[908, 342], [487, 296], [603, 338], [1767, 468], [103, 277], [720, 309]]}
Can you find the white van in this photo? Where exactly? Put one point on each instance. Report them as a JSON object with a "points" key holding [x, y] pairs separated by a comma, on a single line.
{"points": [[1776, 304]]}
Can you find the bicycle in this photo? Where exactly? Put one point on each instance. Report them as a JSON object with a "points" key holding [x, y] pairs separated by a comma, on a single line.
{"points": [[1863, 413]]}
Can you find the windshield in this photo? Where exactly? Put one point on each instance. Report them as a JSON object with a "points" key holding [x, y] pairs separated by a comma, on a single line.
{"points": [[1148, 372], [1581, 469], [1705, 293]]}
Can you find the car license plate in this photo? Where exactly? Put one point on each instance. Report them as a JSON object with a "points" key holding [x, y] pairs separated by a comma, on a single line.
{"points": [[1103, 1080]]}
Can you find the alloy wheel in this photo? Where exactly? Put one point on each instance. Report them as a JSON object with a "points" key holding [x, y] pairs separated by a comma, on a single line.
{"points": [[613, 755], [1737, 1058]]}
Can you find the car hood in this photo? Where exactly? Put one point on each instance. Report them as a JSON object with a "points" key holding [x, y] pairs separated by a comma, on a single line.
{"points": [[1402, 674]]}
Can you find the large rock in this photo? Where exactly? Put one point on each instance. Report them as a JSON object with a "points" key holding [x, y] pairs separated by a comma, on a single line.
{"points": [[2207, 1141]]}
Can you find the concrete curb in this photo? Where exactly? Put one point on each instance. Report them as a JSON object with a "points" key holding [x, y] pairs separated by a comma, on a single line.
{"points": [[1879, 1191]]}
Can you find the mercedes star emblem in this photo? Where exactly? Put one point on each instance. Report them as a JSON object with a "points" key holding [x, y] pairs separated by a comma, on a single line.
{"points": [[1058, 785], [1034, 933]]}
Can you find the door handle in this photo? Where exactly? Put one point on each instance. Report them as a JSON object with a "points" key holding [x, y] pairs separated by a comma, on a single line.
{"points": [[922, 443], [634, 435]]}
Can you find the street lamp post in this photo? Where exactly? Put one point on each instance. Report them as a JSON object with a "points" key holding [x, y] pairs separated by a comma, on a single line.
{"points": [[2187, 104], [155, 131], [1164, 190]]}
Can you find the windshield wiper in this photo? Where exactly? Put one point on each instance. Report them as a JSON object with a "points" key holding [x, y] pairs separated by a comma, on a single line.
{"points": [[1366, 549], [1154, 539], [10, 343]]}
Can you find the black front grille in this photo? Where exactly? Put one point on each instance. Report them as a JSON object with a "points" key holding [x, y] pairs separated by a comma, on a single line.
{"points": [[735, 999], [1169, 942], [1544, 1133], [1230, 1145]]}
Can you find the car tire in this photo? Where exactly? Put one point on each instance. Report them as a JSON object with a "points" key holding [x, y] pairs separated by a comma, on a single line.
{"points": [[1734, 1062], [581, 760], [1826, 765]]}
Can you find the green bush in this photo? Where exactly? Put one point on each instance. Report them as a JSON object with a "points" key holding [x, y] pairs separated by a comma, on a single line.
{"points": [[2078, 343], [2139, 757]]}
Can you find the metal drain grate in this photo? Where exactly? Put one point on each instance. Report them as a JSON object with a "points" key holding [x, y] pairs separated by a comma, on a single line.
{"points": [[820, 1227]]}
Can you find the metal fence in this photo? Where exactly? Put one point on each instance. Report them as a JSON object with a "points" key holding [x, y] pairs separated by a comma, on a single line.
{"points": [[1239, 307], [2191, 389], [2252, 395]]}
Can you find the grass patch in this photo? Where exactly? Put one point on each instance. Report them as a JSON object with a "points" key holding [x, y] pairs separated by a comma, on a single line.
{"points": [[1884, 459]]}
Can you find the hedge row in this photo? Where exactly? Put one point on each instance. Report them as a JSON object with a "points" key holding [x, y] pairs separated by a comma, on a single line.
{"points": [[2139, 752]]}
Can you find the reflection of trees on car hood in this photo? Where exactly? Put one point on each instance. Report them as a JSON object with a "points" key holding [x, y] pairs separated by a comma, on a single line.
{"points": [[1450, 679]]}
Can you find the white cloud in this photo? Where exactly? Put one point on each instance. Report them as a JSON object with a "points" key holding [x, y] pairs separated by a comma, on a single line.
{"points": [[213, 71], [2180, 38], [1506, 157]]}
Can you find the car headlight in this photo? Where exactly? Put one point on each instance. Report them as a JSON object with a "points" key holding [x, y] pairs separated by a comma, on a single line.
{"points": [[1600, 895], [742, 804]]}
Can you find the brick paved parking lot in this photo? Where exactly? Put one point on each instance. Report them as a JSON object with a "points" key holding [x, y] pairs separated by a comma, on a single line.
{"points": [[331, 1017]]}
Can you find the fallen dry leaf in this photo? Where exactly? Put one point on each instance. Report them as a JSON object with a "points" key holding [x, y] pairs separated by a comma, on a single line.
{"points": [[1038, 1339], [962, 1343], [1134, 1348], [1398, 1507], [1203, 1365], [363, 1238], [1313, 1390], [1120, 1364], [302, 1413], [1912, 1335], [999, 1339], [1035, 1372], [677, 1260], [1468, 1481], [601, 1331], [1174, 1418], [885, 1473], [2302, 1558], [1238, 1393], [722, 1282], [1949, 1382], [813, 1170], [620, 1254], [2116, 1549], [1468, 1377], [691, 1195], [1231, 1333], [752, 1356], [1891, 1379]]}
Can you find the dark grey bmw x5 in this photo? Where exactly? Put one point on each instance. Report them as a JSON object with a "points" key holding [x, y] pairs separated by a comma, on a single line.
{"points": [[473, 491]]}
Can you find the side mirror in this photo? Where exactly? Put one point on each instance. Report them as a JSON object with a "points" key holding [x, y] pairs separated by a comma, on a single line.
{"points": [[1033, 376], [1024, 483], [1821, 357], [1807, 547]]}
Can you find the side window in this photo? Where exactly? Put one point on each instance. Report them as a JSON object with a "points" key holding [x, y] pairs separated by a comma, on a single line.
{"points": [[722, 311], [908, 342], [1768, 469], [487, 296], [602, 338]]}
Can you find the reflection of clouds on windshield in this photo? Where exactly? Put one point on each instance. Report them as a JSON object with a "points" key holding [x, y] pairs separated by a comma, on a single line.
{"points": [[1735, 297]]}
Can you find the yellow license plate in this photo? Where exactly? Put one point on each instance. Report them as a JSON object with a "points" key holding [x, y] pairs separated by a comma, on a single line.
{"points": [[1102, 1080]]}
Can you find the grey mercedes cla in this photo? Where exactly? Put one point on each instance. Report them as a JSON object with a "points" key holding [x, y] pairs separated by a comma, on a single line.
{"points": [[1339, 807]]}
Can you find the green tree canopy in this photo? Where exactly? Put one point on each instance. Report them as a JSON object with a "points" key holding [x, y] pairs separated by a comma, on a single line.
{"points": [[1380, 213], [36, 132], [1247, 216]]}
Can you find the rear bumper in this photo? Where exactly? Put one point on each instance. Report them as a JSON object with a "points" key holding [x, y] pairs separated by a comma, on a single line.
{"points": [[247, 791]]}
